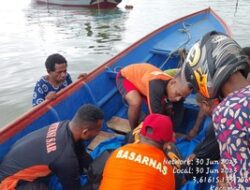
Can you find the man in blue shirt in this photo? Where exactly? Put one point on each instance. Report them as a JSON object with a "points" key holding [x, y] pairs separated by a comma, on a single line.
{"points": [[58, 78]]}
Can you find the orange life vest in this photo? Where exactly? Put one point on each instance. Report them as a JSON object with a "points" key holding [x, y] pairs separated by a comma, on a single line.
{"points": [[138, 167], [141, 74]]}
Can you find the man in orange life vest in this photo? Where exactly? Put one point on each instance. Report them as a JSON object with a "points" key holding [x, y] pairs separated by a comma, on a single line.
{"points": [[56, 149], [145, 80], [143, 165]]}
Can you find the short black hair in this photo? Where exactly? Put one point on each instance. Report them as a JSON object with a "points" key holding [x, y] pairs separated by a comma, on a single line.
{"points": [[88, 113], [53, 59], [245, 51]]}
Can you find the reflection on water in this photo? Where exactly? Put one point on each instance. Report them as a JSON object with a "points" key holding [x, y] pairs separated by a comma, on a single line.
{"points": [[85, 36], [81, 27], [30, 32]]}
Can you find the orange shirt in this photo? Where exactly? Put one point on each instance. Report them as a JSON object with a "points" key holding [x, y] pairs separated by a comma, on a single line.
{"points": [[140, 75], [137, 167]]}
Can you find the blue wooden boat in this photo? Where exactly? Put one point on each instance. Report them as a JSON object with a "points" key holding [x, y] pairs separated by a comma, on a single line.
{"points": [[158, 48]]}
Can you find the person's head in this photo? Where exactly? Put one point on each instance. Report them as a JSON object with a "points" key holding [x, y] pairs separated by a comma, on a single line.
{"points": [[157, 129], [206, 105], [87, 122], [56, 66], [211, 62], [177, 89]]}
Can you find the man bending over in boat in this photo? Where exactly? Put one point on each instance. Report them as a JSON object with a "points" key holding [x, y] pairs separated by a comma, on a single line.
{"points": [[57, 79], [56, 149], [142, 165], [138, 81]]}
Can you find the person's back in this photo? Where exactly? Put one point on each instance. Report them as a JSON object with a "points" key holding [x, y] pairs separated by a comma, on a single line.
{"points": [[35, 155], [144, 165], [137, 166]]}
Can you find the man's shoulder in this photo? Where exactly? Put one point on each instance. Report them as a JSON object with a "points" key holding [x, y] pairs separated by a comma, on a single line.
{"points": [[235, 101], [42, 80], [236, 96], [64, 137]]}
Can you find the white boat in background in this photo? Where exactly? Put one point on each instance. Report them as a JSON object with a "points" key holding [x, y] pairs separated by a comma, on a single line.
{"points": [[102, 4]]}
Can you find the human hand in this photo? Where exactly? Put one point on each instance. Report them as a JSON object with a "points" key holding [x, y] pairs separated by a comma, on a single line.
{"points": [[192, 133], [190, 158], [82, 75], [51, 96]]}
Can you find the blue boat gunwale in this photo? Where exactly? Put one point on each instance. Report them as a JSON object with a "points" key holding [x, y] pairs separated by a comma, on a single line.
{"points": [[20, 123]]}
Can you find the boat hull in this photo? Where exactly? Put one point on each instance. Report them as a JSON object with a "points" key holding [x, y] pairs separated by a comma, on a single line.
{"points": [[101, 4]]}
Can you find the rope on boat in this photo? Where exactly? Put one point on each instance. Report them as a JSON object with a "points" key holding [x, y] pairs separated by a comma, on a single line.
{"points": [[183, 30]]}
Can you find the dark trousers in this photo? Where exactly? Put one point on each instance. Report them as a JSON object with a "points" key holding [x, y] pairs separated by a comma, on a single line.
{"points": [[35, 185]]}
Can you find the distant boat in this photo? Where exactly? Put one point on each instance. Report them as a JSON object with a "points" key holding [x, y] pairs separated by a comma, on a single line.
{"points": [[159, 48], [99, 4]]}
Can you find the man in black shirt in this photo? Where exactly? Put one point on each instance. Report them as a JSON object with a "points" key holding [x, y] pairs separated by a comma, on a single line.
{"points": [[56, 149]]}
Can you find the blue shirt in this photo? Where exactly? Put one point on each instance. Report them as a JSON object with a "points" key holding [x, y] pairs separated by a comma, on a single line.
{"points": [[43, 87]]}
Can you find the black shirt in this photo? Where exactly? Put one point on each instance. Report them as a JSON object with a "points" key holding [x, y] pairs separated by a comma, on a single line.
{"points": [[48, 150]]}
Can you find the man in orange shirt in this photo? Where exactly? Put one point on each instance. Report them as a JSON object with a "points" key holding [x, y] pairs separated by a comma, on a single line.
{"points": [[141, 80], [143, 165]]}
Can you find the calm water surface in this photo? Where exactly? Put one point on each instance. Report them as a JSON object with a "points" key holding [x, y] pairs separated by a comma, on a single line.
{"points": [[87, 38]]}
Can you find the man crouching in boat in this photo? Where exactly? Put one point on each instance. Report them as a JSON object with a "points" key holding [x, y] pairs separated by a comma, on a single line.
{"points": [[57, 79], [138, 81], [56, 149], [142, 165]]}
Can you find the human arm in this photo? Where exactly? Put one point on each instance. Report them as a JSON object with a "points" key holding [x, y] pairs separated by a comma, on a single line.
{"points": [[51, 96], [68, 172], [193, 132], [84, 158], [155, 96]]}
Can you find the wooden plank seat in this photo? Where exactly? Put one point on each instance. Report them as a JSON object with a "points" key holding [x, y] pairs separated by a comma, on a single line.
{"points": [[119, 125]]}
